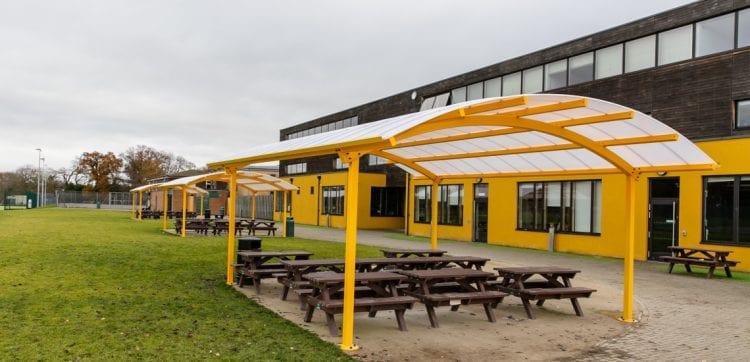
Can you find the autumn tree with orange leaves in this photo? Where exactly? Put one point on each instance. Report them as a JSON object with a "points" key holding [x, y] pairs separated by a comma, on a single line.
{"points": [[102, 170]]}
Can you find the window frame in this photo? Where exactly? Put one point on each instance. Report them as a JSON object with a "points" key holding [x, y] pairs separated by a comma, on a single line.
{"points": [[333, 196], [444, 214], [383, 197], [567, 206], [737, 114], [735, 210]]}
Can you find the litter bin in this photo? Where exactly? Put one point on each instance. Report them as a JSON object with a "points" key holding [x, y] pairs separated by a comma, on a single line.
{"points": [[98, 205], [290, 226], [248, 243]]}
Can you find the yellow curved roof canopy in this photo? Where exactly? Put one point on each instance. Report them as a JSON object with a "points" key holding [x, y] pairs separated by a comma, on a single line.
{"points": [[145, 188], [253, 181], [522, 135]]}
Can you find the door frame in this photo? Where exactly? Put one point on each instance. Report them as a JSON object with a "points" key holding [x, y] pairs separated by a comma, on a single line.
{"points": [[675, 201], [475, 224]]}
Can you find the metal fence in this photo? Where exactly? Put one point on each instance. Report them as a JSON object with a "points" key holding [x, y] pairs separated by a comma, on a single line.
{"points": [[86, 199], [263, 207]]}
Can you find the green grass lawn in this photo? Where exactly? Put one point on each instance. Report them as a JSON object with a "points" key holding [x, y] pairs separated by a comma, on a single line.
{"points": [[94, 284]]}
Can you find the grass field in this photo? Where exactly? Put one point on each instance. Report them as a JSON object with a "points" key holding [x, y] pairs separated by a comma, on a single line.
{"points": [[94, 284]]}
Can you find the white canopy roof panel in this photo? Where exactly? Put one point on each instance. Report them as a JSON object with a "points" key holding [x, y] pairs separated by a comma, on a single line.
{"points": [[253, 181], [505, 136]]}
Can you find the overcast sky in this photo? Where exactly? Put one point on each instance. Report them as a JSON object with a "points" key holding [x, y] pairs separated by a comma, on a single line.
{"points": [[205, 79]]}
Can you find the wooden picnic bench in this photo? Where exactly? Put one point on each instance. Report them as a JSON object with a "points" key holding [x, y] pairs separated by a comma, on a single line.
{"points": [[200, 226], [256, 267], [699, 256], [452, 287], [405, 253], [267, 226], [382, 295], [553, 284]]}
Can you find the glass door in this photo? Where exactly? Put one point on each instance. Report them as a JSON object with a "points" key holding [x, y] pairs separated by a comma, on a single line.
{"points": [[480, 213], [663, 216]]}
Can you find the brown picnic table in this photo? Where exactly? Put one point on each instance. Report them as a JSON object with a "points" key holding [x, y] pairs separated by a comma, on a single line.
{"points": [[376, 291], [405, 253], [693, 255], [452, 287], [256, 264], [541, 283], [296, 269]]}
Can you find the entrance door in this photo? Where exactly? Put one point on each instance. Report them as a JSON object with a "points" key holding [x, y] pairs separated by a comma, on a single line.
{"points": [[664, 210], [480, 213]]}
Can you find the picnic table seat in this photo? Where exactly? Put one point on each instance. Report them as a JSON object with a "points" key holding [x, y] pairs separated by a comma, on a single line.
{"points": [[274, 270], [199, 226], [688, 261], [361, 304], [488, 298], [542, 294]]}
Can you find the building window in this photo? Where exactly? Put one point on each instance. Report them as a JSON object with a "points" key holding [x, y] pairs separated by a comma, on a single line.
{"points": [[608, 62], [714, 35], [373, 160], [475, 91], [450, 204], [640, 53], [296, 168], [581, 68], [573, 206], [333, 200], [533, 80], [458, 95], [493, 87], [512, 84], [742, 112], [556, 74], [387, 201], [727, 209], [440, 100], [675, 45], [743, 28], [422, 201], [337, 164]]}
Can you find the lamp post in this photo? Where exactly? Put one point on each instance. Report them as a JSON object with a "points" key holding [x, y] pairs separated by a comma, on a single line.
{"points": [[43, 200], [38, 176]]}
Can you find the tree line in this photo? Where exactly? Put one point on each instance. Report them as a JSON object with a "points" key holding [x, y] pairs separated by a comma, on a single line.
{"points": [[99, 172]]}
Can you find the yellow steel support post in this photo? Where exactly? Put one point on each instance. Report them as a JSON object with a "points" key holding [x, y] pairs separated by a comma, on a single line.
{"points": [[184, 211], [201, 205], [164, 210], [140, 205], [352, 182], [434, 215], [230, 234], [627, 290], [132, 204], [283, 213]]}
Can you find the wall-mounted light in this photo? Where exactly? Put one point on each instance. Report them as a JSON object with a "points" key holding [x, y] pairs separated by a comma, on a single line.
{"points": [[414, 95], [479, 180], [662, 173]]}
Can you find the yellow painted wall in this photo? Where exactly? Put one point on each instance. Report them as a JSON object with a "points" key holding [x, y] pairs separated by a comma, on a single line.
{"points": [[306, 205]]}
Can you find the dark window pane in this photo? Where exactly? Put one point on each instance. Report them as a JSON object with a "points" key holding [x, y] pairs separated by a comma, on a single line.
{"points": [[744, 211], [719, 208]]}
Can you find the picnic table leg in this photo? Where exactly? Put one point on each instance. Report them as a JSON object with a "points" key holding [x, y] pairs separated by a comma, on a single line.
{"points": [[488, 311], [711, 271], [527, 306], [333, 329], [726, 270], [256, 281], [455, 307], [284, 291], [671, 266], [576, 306], [432, 316], [540, 302], [687, 267], [309, 313], [400, 319]]}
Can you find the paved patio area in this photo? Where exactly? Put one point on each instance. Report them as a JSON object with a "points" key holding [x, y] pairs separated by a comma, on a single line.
{"points": [[680, 317]]}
